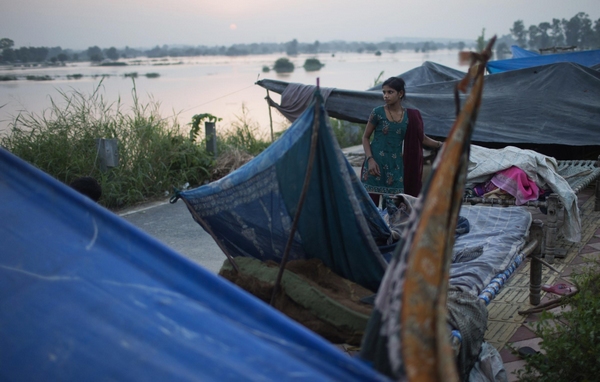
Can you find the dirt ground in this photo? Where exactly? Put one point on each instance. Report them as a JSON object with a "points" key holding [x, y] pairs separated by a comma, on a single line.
{"points": [[314, 273]]}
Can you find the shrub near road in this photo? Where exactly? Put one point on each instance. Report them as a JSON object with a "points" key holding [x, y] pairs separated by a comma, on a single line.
{"points": [[155, 155]]}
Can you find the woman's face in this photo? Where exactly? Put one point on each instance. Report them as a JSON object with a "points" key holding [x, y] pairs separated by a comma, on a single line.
{"points": [[390, 95]]}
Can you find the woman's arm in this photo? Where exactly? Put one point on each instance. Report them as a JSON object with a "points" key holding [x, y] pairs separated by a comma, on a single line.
{"points": [[371, 163], [431, 143]]}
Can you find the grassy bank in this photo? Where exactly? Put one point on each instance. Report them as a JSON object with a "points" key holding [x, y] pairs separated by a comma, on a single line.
{"points": [[155, 154]]}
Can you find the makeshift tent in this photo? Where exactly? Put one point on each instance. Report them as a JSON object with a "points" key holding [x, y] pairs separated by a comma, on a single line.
{"points": [[251, 211], [550, 104], [586, 58], [86, 296], [243, 212]]}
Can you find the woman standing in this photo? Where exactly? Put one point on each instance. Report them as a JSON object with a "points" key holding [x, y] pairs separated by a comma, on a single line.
{"points": [[394, 159]]}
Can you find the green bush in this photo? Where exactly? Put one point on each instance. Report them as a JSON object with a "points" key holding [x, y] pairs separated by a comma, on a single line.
{"points": [[283, 65], [243, 134], [154, 154], [570, 339], [38, 78], [312, 64]]}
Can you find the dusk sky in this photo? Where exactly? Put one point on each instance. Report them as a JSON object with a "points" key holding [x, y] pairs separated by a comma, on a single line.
{"points": [[79, 24]]}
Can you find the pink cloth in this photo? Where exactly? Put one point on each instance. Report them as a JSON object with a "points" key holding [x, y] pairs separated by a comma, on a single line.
{"points": [[514, 181]]}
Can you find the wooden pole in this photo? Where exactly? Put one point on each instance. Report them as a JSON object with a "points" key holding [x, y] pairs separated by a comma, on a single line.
{"points": [[211, 138], [270, 118], [535, 272]]}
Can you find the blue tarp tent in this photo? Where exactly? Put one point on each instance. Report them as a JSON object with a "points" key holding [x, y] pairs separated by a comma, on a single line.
{"points": [[86, 296], [587, 58], [250, 212], [519, 52]]}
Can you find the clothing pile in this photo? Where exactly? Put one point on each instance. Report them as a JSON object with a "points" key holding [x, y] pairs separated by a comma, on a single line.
{"points": [[524, 175]]}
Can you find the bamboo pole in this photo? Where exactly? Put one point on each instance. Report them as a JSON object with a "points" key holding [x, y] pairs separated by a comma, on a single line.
{"points": [[270, 118]]}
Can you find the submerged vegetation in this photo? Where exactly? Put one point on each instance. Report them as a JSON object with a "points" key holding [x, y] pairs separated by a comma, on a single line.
{"points": [[38, 78], [312, 64], [283, 65]]}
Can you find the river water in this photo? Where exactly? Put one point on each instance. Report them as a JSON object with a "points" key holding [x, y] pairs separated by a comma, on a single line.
{"points": [[218, 85]]}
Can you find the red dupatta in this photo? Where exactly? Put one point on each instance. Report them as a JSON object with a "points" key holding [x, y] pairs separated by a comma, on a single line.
{"points": [[413, 153]]}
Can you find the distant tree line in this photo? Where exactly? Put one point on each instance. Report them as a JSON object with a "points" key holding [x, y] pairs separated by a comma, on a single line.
{"points": [[57, 55], [579, 31]]}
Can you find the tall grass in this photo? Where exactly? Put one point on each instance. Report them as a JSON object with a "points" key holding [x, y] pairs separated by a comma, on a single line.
{"points": [[155, 155], [243, 134], [347, 133]]}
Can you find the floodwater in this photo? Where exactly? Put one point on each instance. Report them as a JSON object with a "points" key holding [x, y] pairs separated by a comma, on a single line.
{"points": [[221, 86]]}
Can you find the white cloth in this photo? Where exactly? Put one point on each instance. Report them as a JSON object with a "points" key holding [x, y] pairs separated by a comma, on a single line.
{"points": [[484, 163]]}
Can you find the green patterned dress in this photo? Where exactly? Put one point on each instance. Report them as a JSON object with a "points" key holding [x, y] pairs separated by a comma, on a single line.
{"points": [[386, 148]]}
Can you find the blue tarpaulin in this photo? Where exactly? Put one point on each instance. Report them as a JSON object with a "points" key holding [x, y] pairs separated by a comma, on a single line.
{"points": [[86, 296], [519, 52], [587, 58]]}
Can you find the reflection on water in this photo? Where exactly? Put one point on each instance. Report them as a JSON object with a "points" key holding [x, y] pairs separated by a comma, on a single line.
{"points": [[215, 85]]}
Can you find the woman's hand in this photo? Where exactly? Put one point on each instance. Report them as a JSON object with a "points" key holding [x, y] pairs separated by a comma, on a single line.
{"points": [[373, 167]]}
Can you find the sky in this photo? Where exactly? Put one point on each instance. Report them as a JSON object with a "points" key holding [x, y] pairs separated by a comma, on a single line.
{"points": [[79, 24]]}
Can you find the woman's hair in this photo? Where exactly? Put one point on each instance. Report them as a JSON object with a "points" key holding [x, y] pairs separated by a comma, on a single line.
{"points": [[397, 84]]}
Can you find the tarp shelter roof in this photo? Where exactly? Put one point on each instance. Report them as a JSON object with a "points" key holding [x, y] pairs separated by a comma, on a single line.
{"points": [[86, 296], [519, 52], [550, 104], [586, 58], [428, 73]]}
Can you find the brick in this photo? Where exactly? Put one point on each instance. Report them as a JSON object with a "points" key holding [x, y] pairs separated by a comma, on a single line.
{"points": [[522, 333]]}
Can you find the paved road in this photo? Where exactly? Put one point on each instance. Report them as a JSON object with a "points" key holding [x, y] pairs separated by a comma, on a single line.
{"points": [[173, 225]]}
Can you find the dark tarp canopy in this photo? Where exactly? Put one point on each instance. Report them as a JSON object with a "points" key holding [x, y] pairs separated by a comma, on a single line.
{"points": [[428, 73], [551, 104]]}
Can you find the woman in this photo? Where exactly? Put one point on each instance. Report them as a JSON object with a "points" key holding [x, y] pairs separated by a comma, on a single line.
{"points": [[388, 169]]}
